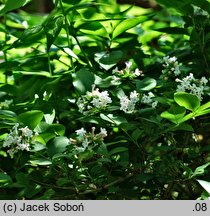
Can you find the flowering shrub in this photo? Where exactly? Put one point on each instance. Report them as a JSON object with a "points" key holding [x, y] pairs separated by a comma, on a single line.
{"points": [[101, 102]]}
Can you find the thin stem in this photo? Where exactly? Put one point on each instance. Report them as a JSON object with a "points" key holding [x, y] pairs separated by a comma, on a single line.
{"points": [[5, 39], [49, 65], [66, 23]]}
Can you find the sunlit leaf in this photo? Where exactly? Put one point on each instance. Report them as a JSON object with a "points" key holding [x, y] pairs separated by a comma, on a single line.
{"points": [[186, 100]]}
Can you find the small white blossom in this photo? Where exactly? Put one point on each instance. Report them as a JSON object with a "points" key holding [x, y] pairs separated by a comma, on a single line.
{"points": [[26, 131], [128, 65], [171, 65], [128, 105], [192, 85], [149, 99], [137, 72], [103, 132], [81, 132]]}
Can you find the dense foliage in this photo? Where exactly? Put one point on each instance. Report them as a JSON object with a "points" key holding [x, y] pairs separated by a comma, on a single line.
{"points": [[105, 101]]}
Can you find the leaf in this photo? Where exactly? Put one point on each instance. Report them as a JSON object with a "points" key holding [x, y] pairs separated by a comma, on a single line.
{"points": [[30, 36], [205, 185], [117, 120], [57, 129], [146, 84], [83, 80], [118, 150], [5, 179], [40, 161], [12, 5], [181, 6], [173, 30], [52, 28], [189, 101], [127, 24], [58, 145], [31, 118], [200, 170], [109, 59], [174, 114]]}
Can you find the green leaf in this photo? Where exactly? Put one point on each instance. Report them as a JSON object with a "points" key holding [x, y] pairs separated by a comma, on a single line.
{"points": [[205, 185], [109, 59], [31, 118], [146, 84], [52, 28], [30, 36], [40, 161], [57, 129], [173, 30], [117, 120], [174, 114], [181, 6], [83, 80], [189, 101], [12, 5], [127, 24], [118, 150], [5, 179], [58, 145], [200, 170]]}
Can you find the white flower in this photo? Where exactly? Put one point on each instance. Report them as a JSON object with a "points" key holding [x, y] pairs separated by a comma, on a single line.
{"points": [[103, 132], [128, 105], [101, 100], [149, 99], [81, 132], [128, 65], [171, 65], [192, 85], [134, 96], [137, 72], [203, 81], [23, 146], [26, 132]]}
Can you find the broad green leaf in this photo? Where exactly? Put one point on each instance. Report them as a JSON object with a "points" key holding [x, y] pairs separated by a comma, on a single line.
{"points": [[5, 179], [30, 36], [117, 120], [31, 118], [182, 126], [83, 80], [109, 59], [94, 28], [127, 24], [146, 84], [52, 28], [205, 185], [57, 129], [174, 114], [12, 5], [186, 100], [57, 145]]}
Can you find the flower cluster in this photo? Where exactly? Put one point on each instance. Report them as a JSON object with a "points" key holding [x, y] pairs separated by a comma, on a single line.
{"points": [[6, 103], [94, 99], [149, 99], [171, 67], [127, 72], [192, 85], [128, 105], [86, 139], [18, 139]]}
